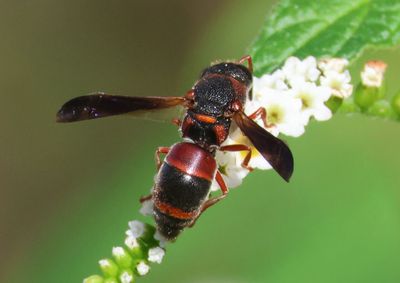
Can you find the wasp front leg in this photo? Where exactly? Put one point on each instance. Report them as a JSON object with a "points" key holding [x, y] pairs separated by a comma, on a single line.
{"points": [[159, 151], [176, 122], [249, 62]]}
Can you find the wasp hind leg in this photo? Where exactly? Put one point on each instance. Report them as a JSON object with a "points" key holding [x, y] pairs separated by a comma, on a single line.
{"points": [[145, 198], [240, 147], [159, 151], [260, 113], [214, 200]]}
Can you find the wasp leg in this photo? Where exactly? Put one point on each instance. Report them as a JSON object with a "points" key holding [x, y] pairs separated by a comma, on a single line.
{"points": [[214, 200], [176, 121], [163, 150], [240, 147], [262, 113], [224, 190], [249, 62], [145, 198], [159, 151]]}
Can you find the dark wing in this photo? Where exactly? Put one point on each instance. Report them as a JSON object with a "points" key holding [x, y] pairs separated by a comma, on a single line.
{"points": [[102, 105], [274, 150]]}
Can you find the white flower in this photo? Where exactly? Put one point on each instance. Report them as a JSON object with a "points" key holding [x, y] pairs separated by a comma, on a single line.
{"points": [[126, 278], [147, 208], [136, 228], [156, 254], [131, 242], [290, 96], [339, 83], [231, 172], [142, 268], [337, 65], [118, 251], [372, 74], [252, 106], [335, 76], [313, 98], [283, 111], [104, 263], [296, 70], [275, 81], [256, 160], [161, 239]]}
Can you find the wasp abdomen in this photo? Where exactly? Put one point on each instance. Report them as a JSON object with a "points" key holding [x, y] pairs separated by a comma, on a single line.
{"points": [[182, 186]]}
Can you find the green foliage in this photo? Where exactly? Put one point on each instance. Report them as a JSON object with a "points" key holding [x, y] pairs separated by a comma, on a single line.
{"points": [[325, 28]]}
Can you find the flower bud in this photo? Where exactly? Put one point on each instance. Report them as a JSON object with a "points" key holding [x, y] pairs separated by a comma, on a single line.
{"points": [[135, 247], [348, 106], [122, 257], [108, 267], [137, 228], [396, 104], [142, 268], [94, 279], [111, 280], [365, 96], [381, 108], [126, 276], [156, 255], [373, 73], [333, 64], [147, 208]]}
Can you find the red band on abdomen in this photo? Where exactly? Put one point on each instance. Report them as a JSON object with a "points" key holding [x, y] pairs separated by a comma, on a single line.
{"points": [[174, 211], [193, 160]]}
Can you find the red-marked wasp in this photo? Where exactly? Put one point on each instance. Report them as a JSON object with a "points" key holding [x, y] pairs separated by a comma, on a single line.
{"points": [[182, 187]]}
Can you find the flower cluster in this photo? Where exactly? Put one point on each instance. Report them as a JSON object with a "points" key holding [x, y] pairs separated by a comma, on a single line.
{"points": [[291, 96], [142, 246]]}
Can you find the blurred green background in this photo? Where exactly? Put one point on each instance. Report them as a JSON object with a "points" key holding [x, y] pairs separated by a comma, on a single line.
{"points": [[68, 191]]}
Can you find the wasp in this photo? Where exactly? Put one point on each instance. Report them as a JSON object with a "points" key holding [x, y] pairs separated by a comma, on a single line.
{"points": [[182, 187]]}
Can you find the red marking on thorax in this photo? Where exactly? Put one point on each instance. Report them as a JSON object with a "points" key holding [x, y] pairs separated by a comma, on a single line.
{"points": [[187, 123], [240, 89], [205, 118], [221, 133], [193, 160]]}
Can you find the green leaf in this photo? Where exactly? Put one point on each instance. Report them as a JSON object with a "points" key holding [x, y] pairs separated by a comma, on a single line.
{"points": [[341, 28]]}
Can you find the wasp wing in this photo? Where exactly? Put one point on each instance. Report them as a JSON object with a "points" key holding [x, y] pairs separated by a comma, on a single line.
{"points": [[103, 105], [274, 150]]}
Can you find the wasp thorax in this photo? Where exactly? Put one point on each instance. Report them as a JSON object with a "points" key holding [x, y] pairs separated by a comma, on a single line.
{"points": [[236, 71], [213, 96]]}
